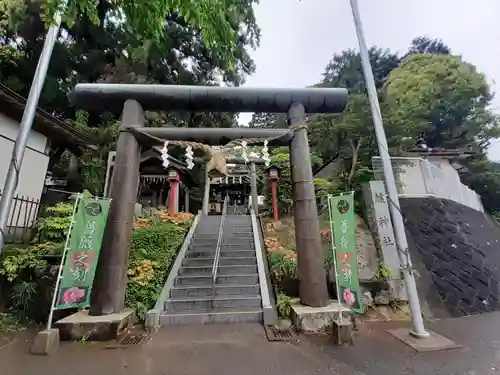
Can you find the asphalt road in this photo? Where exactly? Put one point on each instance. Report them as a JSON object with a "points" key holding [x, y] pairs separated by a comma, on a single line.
{"points": [[244, 350]]}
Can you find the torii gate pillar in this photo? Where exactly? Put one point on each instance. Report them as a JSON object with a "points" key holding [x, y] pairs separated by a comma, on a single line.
{"points": [[110, 281], [313, 290]]}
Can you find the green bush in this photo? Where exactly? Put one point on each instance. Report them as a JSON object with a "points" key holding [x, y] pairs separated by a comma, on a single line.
{"points": [[322, 188], [283, 264], [283, 305], [154, 249], [23, 274], [54, 223]]}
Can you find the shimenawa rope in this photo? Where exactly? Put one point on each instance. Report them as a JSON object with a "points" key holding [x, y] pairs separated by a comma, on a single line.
{"points": [[217, 161]]}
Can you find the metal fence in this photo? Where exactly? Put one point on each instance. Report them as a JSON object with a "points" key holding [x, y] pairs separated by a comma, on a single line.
{"points": [[22, 219]]}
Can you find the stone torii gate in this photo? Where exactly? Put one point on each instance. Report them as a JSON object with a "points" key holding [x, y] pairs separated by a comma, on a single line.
{"points": [[108, 292]]}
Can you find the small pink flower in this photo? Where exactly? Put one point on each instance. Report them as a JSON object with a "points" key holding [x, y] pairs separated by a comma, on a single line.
{"points": [[349, 297], [73, 295]]}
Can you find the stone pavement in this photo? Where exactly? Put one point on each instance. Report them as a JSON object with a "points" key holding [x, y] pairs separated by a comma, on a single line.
{"points": [[378, 353], [244, 350], [194, 350]]}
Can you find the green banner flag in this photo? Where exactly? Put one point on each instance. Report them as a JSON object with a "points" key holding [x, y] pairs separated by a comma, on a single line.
{"points": [[82, 253], [343, 227]]}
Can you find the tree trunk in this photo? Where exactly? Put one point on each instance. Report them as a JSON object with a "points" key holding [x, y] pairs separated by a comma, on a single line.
{"points": [[355, 153]]}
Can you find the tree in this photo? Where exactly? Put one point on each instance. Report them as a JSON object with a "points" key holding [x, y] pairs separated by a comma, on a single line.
{"points": [[215, 19], [444, 97], [342, 137], [109, 51], [268, 120], [345, 69], [483, 176], [87, 48], [423, 44], [329, 133], [349, 139]]}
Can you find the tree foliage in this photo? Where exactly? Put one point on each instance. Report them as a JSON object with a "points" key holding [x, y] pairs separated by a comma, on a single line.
{"points": [[483, 176], [424, 44], [443, 97], [345, 69], [348, 138], [191, 43], [216, 20], [268, 120], [112, 51]]}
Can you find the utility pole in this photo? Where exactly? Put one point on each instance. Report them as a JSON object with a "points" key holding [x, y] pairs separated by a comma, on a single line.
{"points": [[390, 183], [16, 160]]}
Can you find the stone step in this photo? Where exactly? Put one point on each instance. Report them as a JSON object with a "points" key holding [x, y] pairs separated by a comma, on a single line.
{"points": [[241, 315], [237, 236], [208, 253], [229, 242], [221, 270], [214, 233], [202, 243], [196, 246], [196, 304], [227, 238], [206, 237], [220, 290], [223, 261], [203, 280]]}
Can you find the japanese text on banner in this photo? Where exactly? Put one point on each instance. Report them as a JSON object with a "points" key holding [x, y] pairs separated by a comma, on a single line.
{"points": [[343, 225], [82, 253]]}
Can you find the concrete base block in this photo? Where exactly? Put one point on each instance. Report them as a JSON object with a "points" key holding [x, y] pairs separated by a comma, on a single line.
{"points": [[424, 344], [95, 328], [152, 319], [46, 342], [317, 319], [342, 332]]}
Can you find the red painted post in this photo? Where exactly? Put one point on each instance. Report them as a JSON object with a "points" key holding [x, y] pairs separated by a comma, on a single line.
{"points": [[274, 194], [171, 203], [173, 179], [273, 177]]}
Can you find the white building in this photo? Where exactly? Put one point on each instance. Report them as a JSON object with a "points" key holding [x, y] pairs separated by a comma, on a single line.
{"points": [[48, 133], [432, 173]]}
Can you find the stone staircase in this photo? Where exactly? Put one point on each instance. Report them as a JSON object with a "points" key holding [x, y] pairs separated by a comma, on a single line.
{"points": [[237, 290]]}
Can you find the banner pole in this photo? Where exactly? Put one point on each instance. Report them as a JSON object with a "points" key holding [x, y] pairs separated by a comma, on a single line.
{"points": [[61, 265], [337, 286]]}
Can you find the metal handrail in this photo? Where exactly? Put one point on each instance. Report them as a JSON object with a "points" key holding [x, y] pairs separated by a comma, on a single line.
{"points": [[217, 250]]}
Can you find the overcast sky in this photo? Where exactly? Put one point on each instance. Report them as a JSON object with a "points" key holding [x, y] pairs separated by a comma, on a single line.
{"points": [[300, 37]]}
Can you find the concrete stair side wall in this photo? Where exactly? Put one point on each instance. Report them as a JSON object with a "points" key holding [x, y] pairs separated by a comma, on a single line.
{"points": [[153, 315]]}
